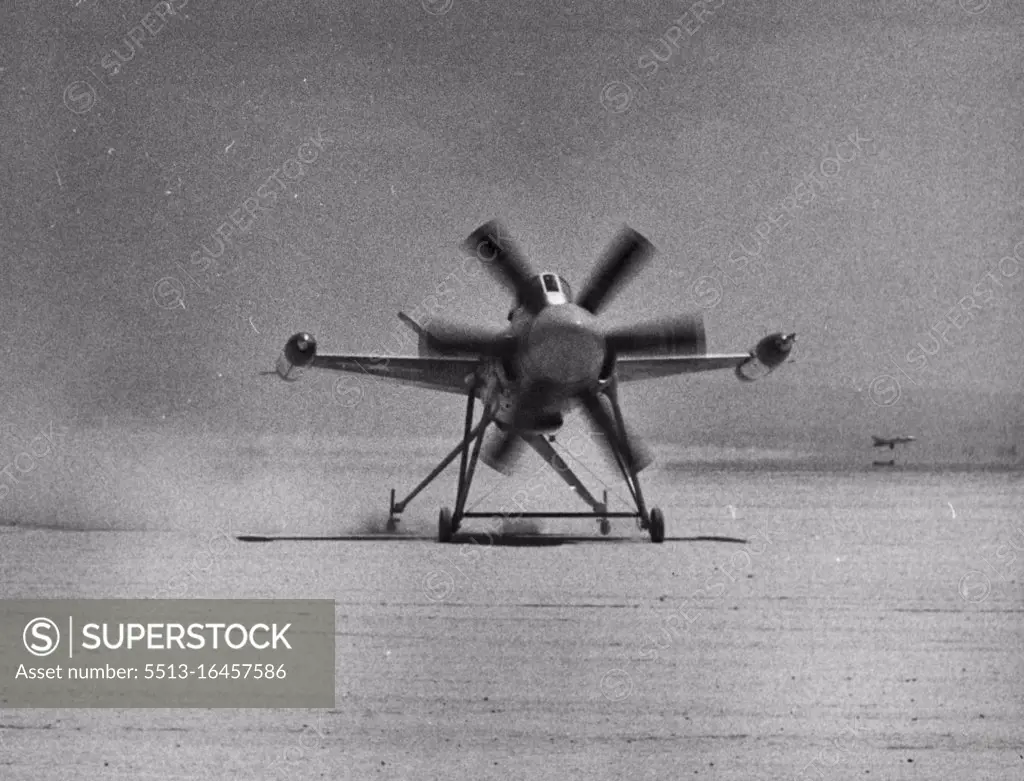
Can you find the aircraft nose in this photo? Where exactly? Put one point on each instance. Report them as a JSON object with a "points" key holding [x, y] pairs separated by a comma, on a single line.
{"points": [[564, 346]]}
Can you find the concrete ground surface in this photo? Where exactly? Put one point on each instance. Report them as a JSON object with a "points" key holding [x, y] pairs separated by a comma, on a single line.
{"points": [[872, 646]]}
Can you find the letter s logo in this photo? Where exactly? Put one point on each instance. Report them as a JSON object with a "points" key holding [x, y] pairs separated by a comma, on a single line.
{"points": [[41, 636]]}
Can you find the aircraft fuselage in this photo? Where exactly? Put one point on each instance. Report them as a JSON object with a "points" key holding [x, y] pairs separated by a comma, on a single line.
{"points": [[562, 352]]}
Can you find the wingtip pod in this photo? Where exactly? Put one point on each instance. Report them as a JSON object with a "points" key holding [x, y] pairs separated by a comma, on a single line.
{"points": [[770, 353], [298, 353]]}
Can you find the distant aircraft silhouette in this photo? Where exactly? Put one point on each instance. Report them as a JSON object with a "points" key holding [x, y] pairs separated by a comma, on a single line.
{"points": [[891, 442]]}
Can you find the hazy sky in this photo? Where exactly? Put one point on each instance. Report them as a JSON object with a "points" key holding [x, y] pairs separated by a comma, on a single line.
{"points": [[422, 120]]}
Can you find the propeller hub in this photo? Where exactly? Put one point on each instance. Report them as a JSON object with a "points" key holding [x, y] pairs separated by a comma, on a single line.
{"points": [[564, 347]]}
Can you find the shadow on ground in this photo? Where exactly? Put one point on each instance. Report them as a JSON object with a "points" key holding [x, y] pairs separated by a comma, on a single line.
{"points": [[506, 540]]}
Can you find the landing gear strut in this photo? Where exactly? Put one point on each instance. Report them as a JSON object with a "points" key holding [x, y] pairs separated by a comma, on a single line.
{"points": [[468, 451], [652, 522], [448, 521]]}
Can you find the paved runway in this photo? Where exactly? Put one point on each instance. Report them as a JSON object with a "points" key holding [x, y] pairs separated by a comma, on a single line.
{"points": [[783, 654]]}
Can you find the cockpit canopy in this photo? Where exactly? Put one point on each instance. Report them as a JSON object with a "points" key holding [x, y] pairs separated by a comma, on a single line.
{"points": [[549, 288], [552, 288]]}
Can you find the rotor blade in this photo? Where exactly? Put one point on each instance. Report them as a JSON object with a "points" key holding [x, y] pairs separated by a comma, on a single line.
{"points": [[502, 454], [623, 258], [670, 336], [642, 453], [449, 339], [496, 250], [633, 451]]}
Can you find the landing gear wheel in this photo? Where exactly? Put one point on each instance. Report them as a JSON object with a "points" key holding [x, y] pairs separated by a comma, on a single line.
{"points": [[392, 523], [606, 527], [657, 525], [445, 529]]}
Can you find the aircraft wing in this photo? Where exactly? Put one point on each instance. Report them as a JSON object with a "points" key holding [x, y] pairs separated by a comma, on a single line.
{"points": [[632, 369], [451, 375]]}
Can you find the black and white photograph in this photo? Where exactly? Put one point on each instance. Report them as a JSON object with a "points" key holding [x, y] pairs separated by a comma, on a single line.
{"points": [[449, 389]]}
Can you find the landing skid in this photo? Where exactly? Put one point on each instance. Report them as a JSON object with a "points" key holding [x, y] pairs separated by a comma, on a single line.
{"points": [[468, 451]]}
